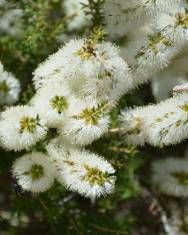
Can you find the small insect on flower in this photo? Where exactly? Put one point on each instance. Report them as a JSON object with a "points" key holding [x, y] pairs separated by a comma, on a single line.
{"points": [[171, 176], [9, 87], [34, 172], [21, 127], [85, 173]]}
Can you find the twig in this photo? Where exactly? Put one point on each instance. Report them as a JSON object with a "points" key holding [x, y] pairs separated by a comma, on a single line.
{"points": [[43, 204], [164, 219], [115, 130], [107, 229], [69, 198]]}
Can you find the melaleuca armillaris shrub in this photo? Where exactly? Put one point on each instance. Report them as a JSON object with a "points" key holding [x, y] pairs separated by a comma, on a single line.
{"points": [[67, 70]]}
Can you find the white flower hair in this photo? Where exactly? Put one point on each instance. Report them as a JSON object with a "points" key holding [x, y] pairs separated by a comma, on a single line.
{"points": [[54, 102], [34, 172], [83, 172], [86, 124], [21, 127]]}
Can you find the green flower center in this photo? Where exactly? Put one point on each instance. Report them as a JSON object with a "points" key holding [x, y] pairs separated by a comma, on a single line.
{"points": [[96, 177], [36, 172], [182, 19], [88, 50], [28, 124], [92, 115], [89, 116], [137, 128], [154, 41], [4, 87], [182, 177], [59, 103], [184, 107]]}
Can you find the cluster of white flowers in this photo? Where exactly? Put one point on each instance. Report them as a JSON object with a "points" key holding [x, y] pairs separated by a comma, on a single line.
{"points": [[163, 124], [160, 35], [77, 87], [9, 87], [75, 90]]}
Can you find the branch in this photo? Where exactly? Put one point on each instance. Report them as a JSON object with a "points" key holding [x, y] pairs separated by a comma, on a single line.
{"points": [[115, 130], [107, 229], [163, 216]]}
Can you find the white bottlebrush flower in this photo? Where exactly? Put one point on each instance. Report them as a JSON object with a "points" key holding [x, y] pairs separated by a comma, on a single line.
{"points": [[21, 127], [85, 172], [34, 172], [89, 69], [169, 125], [9, 87], [53, 102], [155, 53], [174, 23], [171, 176], [122, 17], [86, 124], [135, 123], [163, 124], [74, 10]]}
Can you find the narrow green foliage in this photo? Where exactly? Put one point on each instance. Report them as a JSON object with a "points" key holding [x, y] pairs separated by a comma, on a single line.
{"points": [[93, 9]]}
